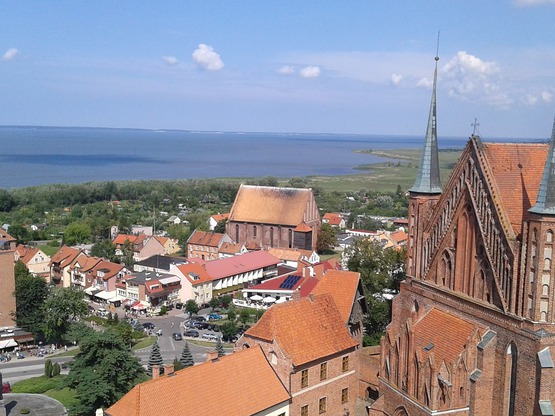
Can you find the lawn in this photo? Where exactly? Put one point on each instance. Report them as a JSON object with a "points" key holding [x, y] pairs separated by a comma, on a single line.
{"points": [[144, 343]]}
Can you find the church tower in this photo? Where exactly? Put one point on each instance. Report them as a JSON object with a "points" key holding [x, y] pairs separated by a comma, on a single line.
{"points": [[426, 190], [540, 280]]}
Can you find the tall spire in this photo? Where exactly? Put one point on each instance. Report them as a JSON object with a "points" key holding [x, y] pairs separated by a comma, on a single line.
{"points": [[428, 180], [545, 204]]}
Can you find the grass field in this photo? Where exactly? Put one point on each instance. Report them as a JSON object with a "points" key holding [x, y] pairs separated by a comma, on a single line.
{"points": [[385, 177]]}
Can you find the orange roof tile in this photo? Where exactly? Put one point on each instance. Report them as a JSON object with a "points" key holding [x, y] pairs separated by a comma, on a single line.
{"points": [[448, 342], [285, 253], [110, 269], [220, 217], [242, 383], [306, 329], [302, 228], [231, 248], [122, 238], [342, 285], [25, 253], [5, 236], [399, 236], [65, 255], [333, 218], [270, 205], [517, 170], [192, 269], [204, 238]]}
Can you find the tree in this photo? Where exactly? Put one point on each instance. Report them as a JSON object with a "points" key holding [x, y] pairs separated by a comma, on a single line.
{"points": [[7, 201], [30, 295], [229, 330], [231, 314], [244, 316], [105, 249], [155, 359], [226, 300], [191, 307], [220, 347], [220, 226], [103, 371], [213, 303], [326, 239], [186, 359], [77, 233], [62, 307]]}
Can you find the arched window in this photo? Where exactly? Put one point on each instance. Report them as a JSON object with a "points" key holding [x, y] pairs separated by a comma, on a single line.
{"points": [[510, 379], [549, 236], [547, 264], [545, 290]]}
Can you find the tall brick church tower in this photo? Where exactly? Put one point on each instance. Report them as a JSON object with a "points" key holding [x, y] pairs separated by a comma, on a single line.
{"points": [[473, 327]]}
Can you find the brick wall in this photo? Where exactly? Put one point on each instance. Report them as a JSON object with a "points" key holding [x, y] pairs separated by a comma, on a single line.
{"points": [[7, 287]]}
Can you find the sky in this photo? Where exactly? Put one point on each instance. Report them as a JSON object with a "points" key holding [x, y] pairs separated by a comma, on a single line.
{"points": [[326, 66]]}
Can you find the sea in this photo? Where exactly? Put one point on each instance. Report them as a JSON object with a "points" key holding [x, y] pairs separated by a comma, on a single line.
{"points": [[32, 156]]}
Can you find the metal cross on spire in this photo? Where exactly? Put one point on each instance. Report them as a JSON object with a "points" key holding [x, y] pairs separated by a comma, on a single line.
{"points": [[474, 125]]}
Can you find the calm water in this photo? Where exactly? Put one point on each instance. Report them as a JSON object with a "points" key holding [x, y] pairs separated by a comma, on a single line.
{"points": [[42, 155]]}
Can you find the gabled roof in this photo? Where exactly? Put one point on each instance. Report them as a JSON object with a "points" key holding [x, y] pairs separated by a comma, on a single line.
{"points": [[27, 253], [231, 266], [242, 383], [194, 272], [65, 255], [333, 218], [270, 205], [443, 335], [5, 236], [206, 238], [286, 254], [122, 238], [307, 329], [85, 262], [108, 268], [220, 217], [161, 262], [517, 170], [231, 248], [342, 285], [399, 236]]}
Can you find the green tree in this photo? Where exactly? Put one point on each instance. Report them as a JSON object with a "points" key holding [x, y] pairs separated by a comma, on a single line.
{"points": [[220, 226], [229, 330], [244, 315], [191, 307], [77, 233], [155, 359], [186, 359], [30, 295], [214, 302], [103, 371], [226, 300], [62, 307], [7, 201], [105, 249], [177, 364], [231, 314], [220, 347], [326, 239], [48, 368]]}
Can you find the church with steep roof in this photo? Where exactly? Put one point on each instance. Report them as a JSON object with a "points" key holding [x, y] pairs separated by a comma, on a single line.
{"points": [[472, 330]]}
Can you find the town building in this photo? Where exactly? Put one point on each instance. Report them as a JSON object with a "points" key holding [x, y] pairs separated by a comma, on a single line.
{"points": [[7, 284], [158, 263], [242, 383], [79, 268], [310, 348], [274, 217], [101, 282], [334, 219], [472, 327], [36, 261], [60, 272], [215, 219], [149, 288], [206, 245], [295, 257]]}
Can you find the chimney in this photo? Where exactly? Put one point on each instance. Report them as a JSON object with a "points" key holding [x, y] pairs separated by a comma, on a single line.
{"points": [[296, 295], [168, 369], [311, 297], [211, 356], [155, 372]]}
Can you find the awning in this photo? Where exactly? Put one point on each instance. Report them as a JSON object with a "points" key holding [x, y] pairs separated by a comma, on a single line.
{"points": [[140, 305], [91, 290], [7, 343], [256, 297], [171, 279], [281, 300], [105, 295], [269, 299], [117, 298]]}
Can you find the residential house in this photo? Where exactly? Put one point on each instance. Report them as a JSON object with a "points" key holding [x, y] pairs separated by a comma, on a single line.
{"points": [[310, 348], [60, 273], [143, 246], [174, 220], [78, 269], [153, 289], [215, 219], [205, 245], [232, 249], [102, 281], [158, 263], [171, 245], [335, 219], [142, 229], [294, 257], [246, 385], [196, 283], [7, 242], [274, 217], [34, 259]]}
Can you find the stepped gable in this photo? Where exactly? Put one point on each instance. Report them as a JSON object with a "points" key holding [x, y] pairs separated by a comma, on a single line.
{"points": [[517, 170], [242, 383], [443, 335], [270, 205], [342, 285], [306, 329]]}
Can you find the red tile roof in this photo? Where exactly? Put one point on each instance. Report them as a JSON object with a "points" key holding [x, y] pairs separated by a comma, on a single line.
{"points": [[25, 253], [64, 256], [307, 329], [122, 238], [110, 269], [204, 238], [197, 269], [333, 218], [220, 217], [270, 205], [231, 266], [446, 334], [517, 169], [242, 383], [342, 285]]}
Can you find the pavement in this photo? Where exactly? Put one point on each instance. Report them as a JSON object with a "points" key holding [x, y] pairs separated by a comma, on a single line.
{"points": [[38, 404]]}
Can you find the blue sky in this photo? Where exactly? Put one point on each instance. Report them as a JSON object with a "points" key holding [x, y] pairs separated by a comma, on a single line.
{"points": [[281, 66]]}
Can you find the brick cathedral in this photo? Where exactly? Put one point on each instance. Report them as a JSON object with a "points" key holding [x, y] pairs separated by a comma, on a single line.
{"points": [[472, 329]]}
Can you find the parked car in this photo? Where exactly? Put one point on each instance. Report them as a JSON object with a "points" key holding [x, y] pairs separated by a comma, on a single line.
{"points": [[214, 317], [191, 333], [148, 325], [214, 327], [198, 325], [178, 305], [198, 318], [177, 336], [208, 335]]}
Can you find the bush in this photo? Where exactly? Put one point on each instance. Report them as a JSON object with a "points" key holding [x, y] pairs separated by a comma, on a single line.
{"points": [[48, 368], [56, 370], [163, 310]]}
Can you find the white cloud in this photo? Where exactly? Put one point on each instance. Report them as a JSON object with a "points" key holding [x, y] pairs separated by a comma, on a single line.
{"points": [[310, 72], [470, 78], [286, 70], [526, 3], [170, 60], [10, 54], [206, 58], [547, 97], [425, 83], [530, 100], [396, 79]]}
